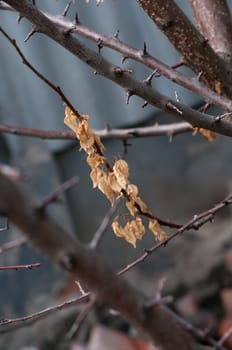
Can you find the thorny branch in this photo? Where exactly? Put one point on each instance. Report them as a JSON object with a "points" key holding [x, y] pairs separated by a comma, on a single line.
{"points": [[195, 223], [45, 25], [82, 263], [192, 46], [107, 133]]}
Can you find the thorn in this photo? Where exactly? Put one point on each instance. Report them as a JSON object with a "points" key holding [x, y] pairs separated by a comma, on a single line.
{"points": [[223, 116], [76, 19], [99, 44], [116, 34], [19, 19], [29, 35], [128, 96], [149, 78], [177, 96], [144, 104], [199, 76], [170, 105], [107, 128], [145, 53], [67, 7], [124, 58]]}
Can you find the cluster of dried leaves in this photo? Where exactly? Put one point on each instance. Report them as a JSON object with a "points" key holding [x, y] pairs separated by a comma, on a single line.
{"points": [[113, 181]]}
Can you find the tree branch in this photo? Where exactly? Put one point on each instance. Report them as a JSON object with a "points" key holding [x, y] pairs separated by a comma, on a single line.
{"points": [[44, 233], [214, 21], [107, 133], [43, 24], [129, 52], [193, 47]]}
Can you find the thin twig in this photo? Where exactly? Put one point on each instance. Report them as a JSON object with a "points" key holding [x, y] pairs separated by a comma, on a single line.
{"points": [[98, 235], [195, 223], [54, 195], [13, 244], [19, 267], [20, 322]]}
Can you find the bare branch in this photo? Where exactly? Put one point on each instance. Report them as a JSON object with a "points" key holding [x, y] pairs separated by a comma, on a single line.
{"points": [[7, 325], [107, 133], [105, 68], [195, 223], [193, 47], [19, 267], [13, 244], [84, 264], [214, 21]]}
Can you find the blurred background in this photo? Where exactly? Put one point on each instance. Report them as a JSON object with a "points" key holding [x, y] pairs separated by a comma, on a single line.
{"points": [[176, 178]]}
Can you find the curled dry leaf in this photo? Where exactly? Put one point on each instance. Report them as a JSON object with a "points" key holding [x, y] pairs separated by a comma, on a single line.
{"points": [[121, 171], [155, 228], [209, 135], [132, 231], [112, 182]]}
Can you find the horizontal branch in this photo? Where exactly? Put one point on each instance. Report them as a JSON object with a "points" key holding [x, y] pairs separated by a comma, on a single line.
{"points": [[82, 263], [43, 24], [19, 267], [107, 133], [127, 51]]}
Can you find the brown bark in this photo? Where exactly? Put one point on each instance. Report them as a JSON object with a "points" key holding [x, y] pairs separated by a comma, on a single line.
{"points": [[192, 46], [215, 23], [56, 31], [54, 241]]}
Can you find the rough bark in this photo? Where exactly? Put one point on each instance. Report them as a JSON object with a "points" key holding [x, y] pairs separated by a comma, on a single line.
{"points": [[192, 46], [54, 241]]}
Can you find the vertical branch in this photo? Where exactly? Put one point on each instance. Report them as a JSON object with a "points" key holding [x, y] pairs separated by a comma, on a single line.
{"points": [[193, 47], [214, 21]]}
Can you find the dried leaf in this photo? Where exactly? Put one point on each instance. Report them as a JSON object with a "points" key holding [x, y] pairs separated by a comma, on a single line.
{"points": [[94, 160], [95, 175], [118, 229], [218, 87], [208, 134], [105, 188], [131, 207], [132, 190], [155, 228], [143, 207], [114, 183], [121, 171], [71, 120]]}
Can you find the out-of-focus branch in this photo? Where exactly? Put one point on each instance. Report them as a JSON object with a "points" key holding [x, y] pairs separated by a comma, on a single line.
{"points": [[44, 233], [19, 267], [107, 133], [193, 47], [13, 244], [195, 223], [215, 23], [43, 24], [7, 325]]}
